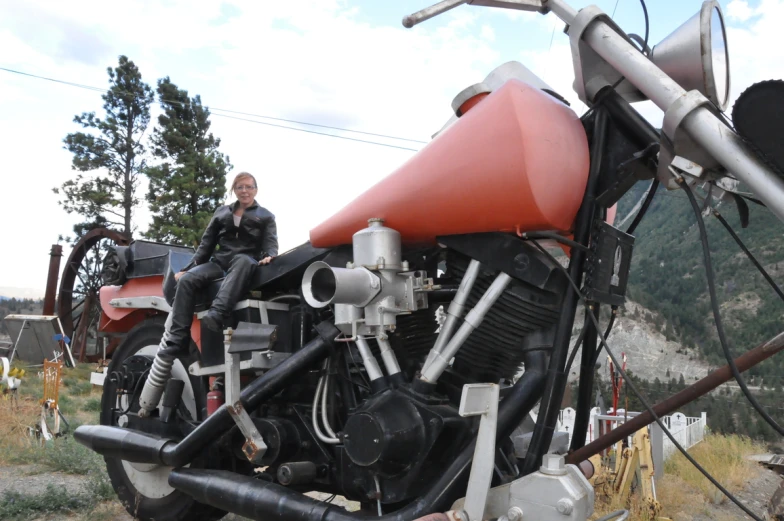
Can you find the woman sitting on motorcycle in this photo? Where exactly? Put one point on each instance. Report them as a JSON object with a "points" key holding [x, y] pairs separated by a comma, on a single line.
{"points": [[245, 235]]}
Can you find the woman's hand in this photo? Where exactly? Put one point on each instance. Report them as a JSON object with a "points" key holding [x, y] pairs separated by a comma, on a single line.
{"points": [[178, 275], [265, 261]]}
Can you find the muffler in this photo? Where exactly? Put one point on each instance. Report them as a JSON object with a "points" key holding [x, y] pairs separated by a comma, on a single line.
{"points": [[247, 496], [133, 446]]}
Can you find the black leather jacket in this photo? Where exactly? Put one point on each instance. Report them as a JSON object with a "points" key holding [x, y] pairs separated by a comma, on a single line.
{"points": [[257, 236]]}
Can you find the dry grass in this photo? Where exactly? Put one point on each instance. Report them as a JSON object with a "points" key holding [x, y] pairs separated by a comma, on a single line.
{"points": [[724, 457], [684, 489]]}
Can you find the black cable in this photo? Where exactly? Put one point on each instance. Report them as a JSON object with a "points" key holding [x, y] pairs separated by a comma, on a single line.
{"points": [[647, 23], [648, 406], [717, 315], [644, 208], [638, 39], [575, 349], [607, 331], [751, 257]]}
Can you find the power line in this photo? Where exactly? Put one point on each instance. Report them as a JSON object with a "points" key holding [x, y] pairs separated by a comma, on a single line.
{"points": [[313, 132], [213, 109]]}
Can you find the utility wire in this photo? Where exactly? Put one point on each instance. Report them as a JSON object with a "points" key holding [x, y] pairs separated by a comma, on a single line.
{"points": [[643, 400], [213, 109]]}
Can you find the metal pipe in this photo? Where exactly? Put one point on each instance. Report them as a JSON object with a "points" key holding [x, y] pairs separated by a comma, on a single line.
{"points": [[258, 499], [710, 133], [704, 386], [562, 10], [633, 65], [726, 147], [388, 355], [55, 255], [427, 13], [371, 365], [120, 443], [557, 377], [472, 321], [455, 311]]}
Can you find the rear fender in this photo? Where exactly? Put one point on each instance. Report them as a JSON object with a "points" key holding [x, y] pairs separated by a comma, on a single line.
{"points": [[123, 307]]}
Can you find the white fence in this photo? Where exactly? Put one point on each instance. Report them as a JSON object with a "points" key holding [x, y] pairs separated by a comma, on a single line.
{"points": [[688, 431]]}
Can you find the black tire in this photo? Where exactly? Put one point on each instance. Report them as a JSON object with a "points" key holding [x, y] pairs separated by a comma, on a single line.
{"points": [[176, 506]]}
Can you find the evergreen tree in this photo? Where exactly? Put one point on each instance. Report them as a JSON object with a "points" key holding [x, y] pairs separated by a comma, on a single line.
{"points": [[190, 182], [113, 149]]}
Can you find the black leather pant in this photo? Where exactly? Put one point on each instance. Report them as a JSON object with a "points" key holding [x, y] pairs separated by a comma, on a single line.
{"points": [[191, 287]]}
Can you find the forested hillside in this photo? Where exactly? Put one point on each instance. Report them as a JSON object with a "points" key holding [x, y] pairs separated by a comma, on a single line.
{"points": [[668, 275]]}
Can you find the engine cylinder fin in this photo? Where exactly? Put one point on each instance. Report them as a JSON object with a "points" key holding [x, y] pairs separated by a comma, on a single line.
{"points": [[494, 350]]}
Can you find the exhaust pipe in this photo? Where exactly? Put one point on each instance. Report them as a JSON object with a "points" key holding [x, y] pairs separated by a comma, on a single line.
{"points": [[263, 500], [323, 285], [116, 442], [133, 446]]}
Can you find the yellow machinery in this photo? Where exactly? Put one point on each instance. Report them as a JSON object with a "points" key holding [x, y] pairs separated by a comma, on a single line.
{"points": [[625, 469]]}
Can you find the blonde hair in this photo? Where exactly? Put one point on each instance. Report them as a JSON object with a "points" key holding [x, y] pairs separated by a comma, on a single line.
{"points": [[242, 175]]}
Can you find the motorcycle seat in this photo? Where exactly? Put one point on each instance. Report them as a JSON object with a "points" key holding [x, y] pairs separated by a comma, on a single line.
{"points": [[285, 271]]}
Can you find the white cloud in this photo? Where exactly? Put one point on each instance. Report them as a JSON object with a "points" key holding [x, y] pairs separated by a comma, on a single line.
{"points": [[739, 10]]}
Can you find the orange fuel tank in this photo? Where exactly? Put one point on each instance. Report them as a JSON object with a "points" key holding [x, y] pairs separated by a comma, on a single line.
{"points": [[515, 161]]}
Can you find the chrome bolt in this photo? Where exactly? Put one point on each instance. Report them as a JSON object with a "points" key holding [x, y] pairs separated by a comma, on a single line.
{"points": [[564, 506], [515, 514]]}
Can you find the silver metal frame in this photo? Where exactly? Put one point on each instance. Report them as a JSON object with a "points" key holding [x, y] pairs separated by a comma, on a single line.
{"points": [[254, 447], [480, 400]]}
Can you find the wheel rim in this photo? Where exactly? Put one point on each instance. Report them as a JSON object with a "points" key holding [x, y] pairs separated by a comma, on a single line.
{"points": [[148, 479]]}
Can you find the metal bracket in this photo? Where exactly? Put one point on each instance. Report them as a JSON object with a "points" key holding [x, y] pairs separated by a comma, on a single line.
{"points": [[260, 360], [681, 144], [591, 71], [480, 400], [254, 447], [158, 303]]}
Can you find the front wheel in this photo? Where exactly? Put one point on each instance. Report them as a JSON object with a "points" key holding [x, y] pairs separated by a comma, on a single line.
{"points": [[142, 488]]}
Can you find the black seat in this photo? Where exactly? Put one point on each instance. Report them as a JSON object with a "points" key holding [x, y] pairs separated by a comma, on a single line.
{"points": [[284, 272]]}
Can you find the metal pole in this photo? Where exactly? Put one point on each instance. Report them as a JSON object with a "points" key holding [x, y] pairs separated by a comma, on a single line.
{"points": [[429, 12], [51, 281], [674, 402]]}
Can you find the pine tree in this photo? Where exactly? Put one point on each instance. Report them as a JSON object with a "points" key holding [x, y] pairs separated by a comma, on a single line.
{"points": [[190, 182], [112, 149]]}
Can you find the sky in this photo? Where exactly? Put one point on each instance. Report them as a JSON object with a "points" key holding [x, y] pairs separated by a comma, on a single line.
{"points": [[341, 63]]}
